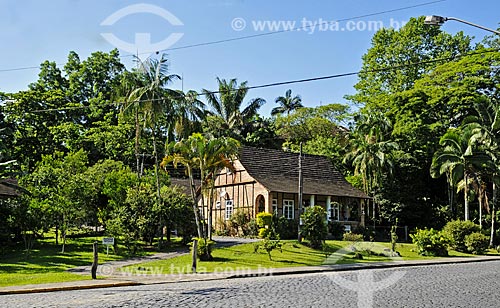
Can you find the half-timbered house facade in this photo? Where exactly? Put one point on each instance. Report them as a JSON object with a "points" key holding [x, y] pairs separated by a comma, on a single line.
{"points": [[266, 180]]}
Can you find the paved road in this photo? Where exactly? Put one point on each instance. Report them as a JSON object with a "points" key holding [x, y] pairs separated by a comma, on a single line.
{"points": [[456, 285]]}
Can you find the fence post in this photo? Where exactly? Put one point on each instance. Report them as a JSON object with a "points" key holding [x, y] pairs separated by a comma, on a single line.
{"points": [[194, 255], [96, 261]]}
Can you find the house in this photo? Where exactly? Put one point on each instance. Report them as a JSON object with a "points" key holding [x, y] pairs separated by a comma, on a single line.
{"points": [[266, 180], [9, 188]]}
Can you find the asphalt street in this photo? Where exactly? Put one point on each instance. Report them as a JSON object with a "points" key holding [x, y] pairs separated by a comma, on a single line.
{"points": [[453, 285]]}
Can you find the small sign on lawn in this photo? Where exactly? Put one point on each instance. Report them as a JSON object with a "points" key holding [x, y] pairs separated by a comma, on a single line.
{"points": [[108, 241]]}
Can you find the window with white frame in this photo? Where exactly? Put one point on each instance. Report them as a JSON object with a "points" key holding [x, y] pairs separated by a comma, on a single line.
{"points": [[335, 211], [229, 209], [288, 209], [275, 206]]}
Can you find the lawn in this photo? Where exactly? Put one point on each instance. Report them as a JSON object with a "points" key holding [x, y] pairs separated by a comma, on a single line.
{"points": [[47, 264], [242, 257]]}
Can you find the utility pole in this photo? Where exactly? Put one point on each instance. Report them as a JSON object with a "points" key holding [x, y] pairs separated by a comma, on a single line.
{"points": [[300, 192]]}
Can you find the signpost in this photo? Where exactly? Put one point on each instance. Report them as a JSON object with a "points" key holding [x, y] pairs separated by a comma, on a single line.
{"points": [[108, 241]]}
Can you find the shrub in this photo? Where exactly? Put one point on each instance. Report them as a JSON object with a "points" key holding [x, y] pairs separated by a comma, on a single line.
{"points": [[264, 233], [368, 233], [268, 245], [336, 229], [476, 243], [264, 219], [253, 228], [204, 250], [286, 229], [457, 230], [352, 237], [239, 223], [314, 229], [431, 242]]}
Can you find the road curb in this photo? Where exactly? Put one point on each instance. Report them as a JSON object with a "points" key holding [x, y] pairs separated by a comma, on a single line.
{"points": [[70, 288], [359, 266]]}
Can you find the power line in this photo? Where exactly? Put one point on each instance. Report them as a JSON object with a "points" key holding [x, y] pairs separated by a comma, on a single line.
{"points": [[274, 84], [294, 28], [305, 27]]}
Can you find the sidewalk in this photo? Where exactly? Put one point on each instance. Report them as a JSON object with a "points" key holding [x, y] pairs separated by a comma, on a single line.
{"points": [[124, 279]]}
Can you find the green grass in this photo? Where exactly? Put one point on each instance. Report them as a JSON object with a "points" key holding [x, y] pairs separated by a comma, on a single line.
{"points": [[242, 257], [46, 263]]}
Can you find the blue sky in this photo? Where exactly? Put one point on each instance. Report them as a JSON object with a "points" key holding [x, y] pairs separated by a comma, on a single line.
{"points": [[32, 31]]}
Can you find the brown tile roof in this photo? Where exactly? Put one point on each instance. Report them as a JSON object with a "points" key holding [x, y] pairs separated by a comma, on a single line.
{"points": [[9, 188], [278, 171]]}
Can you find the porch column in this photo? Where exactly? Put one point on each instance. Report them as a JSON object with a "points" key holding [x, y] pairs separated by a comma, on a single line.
{"points": [[328, 208], [311, 200], [362, 213], [268, 204]]}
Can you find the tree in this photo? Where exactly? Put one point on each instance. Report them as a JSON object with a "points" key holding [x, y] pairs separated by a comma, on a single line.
{"points": [[60, 191], [371, 153], [406, 49], [458, 159], [226, 117], [315, 228], [287, 103], [184, 152], [188, 114], [178, 209], [486, 128], [209, 156], [152, 99]]}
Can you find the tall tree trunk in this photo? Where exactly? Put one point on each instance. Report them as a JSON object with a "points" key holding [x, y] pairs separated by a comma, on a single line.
{"points": [[480, 211], [195, 202], [466, 207], [158, 197], [451, 191], [57, 234], [203, 230], [210, 205], [493, 215], [137, 136]]}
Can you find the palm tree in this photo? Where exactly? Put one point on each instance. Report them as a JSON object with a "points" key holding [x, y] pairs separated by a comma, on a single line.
{"points": [[209, 156], [458, 159], [151, 99], [287, 103], [189, 113], [184, 152], [371, 159], [486, 128], [226, 115], [219, 154], [371, 153]]}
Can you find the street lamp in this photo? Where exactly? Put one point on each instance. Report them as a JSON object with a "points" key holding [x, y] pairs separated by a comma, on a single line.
{"points": [[434, 20]]}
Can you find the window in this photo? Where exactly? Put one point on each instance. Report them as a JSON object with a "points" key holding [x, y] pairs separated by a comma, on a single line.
{"points": [[229, 209], [288, 209], [335, 211], [275, 206]]}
